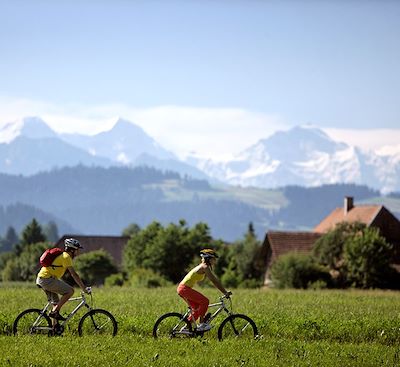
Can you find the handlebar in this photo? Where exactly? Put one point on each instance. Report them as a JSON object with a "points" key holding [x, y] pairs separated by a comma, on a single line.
{"points": [[227, 295]]}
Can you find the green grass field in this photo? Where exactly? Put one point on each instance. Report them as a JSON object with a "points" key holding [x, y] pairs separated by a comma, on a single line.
{"points": [[298, 328]]}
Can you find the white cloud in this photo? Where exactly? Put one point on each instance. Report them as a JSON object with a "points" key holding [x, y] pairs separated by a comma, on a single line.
{"points": [[209, 132], [368, 139]]}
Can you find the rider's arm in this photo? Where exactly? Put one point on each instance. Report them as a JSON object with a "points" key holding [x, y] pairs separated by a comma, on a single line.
{"points": [[210, 275], [76, 277]]}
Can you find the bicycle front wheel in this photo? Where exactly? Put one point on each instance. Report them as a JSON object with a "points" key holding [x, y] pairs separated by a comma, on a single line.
{"points": [[237, 326], [97, 322], [32, 322], [172, 325]]}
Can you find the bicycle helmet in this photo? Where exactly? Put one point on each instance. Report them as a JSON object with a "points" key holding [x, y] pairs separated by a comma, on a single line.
{"points": [[72, 243], [208, 253]]}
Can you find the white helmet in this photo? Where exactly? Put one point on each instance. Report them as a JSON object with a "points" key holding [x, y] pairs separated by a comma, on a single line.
{"points": [[72, 243]]}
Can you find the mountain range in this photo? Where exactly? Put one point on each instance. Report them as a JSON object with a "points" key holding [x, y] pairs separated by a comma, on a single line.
{"points": [[303, 156]]}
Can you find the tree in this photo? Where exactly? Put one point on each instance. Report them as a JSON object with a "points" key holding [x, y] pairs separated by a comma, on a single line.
{"points": [[367, 259], [5, 257], [134, 251], [328, 249], [25, 265], [95, 266], [32, 233], [51, 232], [168, 250], [132, 230], [245, 265], [10, 240]]}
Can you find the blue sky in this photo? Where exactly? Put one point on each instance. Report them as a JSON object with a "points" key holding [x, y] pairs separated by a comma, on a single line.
{"points": [[195, 71]]}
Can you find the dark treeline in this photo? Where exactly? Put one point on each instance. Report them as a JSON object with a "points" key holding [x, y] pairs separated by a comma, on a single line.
{"points": [[103, 201], [94, 200]]}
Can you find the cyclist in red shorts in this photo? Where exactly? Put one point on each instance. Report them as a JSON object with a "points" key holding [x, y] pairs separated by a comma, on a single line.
{"points": [[197, 301]]}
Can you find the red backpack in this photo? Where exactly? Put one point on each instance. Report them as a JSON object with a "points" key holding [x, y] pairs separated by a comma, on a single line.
{"points": [[49, 256]]}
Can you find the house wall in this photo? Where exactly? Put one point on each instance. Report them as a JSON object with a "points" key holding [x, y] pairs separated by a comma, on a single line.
{"points": [[389, 227], [114, 245]]}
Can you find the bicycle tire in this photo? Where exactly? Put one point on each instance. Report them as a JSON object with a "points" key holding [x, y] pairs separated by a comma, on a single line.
{"points": [[97, 322], [172, 325], [23, 324], [237, 326]]}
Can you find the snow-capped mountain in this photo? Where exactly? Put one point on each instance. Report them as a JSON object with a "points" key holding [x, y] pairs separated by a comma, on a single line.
{"points": [[28, 156], [306, 156], [124, 143], [29, 127], [29, 145]]}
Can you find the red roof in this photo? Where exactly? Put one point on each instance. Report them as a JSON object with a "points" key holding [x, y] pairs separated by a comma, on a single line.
{"points": [[283, 242], [364, 214]]}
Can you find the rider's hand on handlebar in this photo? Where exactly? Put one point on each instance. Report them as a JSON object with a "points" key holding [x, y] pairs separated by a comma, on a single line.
{"points": [[88, 290], [228, 294]]}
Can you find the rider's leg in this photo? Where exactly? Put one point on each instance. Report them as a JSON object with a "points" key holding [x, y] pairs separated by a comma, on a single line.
{"points": [[56, 286], [66, 291], [197, 301]]}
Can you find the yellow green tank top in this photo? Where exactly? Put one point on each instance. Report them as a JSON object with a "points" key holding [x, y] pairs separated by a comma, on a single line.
{"points": [[192, 278]]}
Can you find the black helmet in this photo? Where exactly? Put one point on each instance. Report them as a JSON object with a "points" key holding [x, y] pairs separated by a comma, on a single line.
{"points": [[208, 253], [72, 243]]}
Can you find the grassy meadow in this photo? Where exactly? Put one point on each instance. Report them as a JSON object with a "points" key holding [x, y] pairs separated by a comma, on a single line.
{"points": [[298, 328]]}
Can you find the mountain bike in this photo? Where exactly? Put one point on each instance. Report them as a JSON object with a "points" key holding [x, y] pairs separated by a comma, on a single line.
{"points": [[176, 325], [95, 321]]}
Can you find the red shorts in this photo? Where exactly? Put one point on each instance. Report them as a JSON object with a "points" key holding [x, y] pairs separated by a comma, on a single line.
{"points": [[197, 302]]}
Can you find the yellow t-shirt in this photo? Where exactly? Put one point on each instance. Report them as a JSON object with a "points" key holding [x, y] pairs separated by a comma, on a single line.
{"points": [[192, 278], [64, 260]]}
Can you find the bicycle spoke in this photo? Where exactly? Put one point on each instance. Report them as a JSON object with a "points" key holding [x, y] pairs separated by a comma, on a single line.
{"points": [[172, 325], [32, 322], [237, 326], [97, 322]]}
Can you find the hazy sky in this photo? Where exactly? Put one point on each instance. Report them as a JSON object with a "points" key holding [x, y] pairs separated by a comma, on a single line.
{"points": [[208, 76]]}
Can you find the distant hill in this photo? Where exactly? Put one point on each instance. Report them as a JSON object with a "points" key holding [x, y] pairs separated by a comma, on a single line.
{"points": [[19, 215], [95, 200], [29, 156]]}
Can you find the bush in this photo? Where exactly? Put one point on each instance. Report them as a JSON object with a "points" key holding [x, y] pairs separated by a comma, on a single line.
{"points": [[114, 280], [367, 259], [147, 278], [11, 271], [250, 283], [294, 270], [95, 266], [25, 266], [230, 279]]}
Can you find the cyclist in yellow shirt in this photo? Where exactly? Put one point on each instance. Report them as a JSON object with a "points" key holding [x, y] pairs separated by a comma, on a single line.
{"points": [[198, 302], [49, 278]]}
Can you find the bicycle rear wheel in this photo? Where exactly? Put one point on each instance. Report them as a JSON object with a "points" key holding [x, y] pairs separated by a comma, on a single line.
{"points": [[97, 322], [237, 326], [32, 322], [172, 325]]}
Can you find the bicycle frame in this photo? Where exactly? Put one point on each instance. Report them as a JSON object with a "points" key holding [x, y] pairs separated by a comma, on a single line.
{"points": [[47, 307], [221, 307]]}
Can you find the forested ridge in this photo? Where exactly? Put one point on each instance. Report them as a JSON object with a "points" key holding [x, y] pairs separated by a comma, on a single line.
{"points": [[94, 200]]}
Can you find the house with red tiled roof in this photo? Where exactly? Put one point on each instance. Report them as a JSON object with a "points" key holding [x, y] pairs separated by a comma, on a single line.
{"points": [[114, 245], [371, 215], [279, 243]]}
